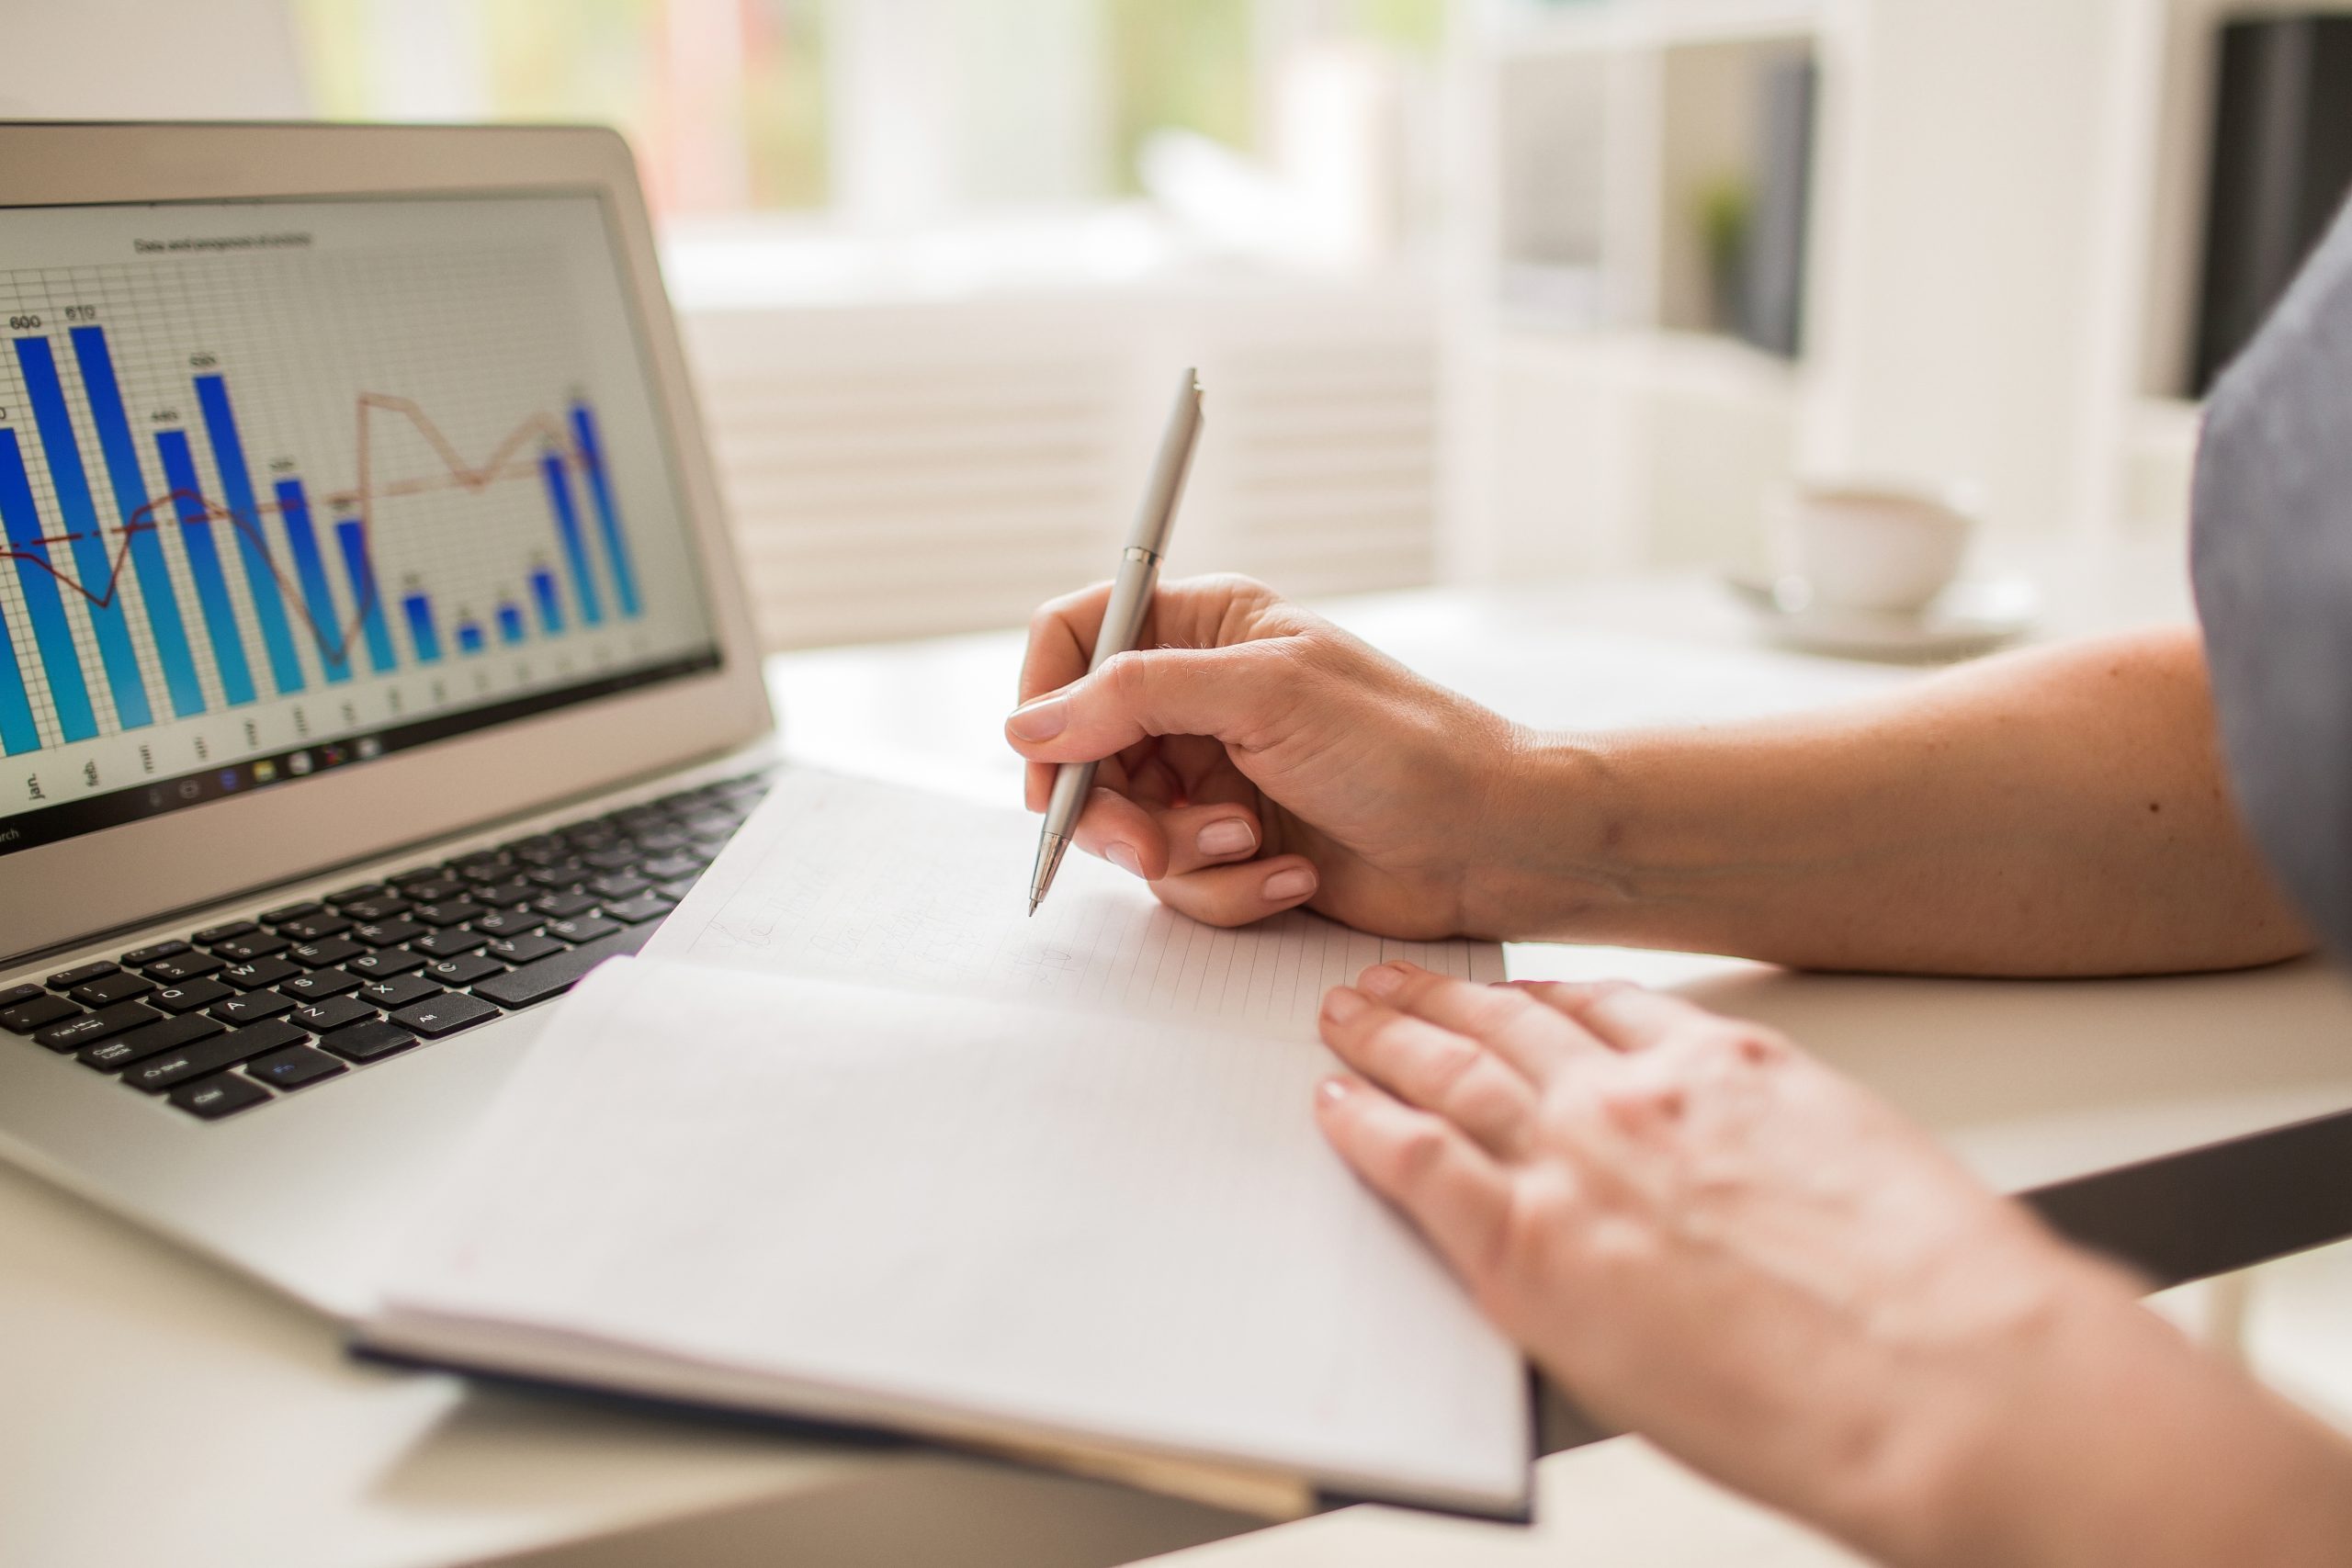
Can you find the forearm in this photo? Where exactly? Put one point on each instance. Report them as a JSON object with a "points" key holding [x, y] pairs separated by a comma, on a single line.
{"points": [[2059, 811], [2097, 1435]]}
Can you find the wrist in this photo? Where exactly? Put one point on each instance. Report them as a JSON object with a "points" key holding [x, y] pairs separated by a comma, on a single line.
{"points": [[1548, 863]]}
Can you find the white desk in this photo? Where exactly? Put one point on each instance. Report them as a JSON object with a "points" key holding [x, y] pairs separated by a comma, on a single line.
{"points": [[154, 1409]]}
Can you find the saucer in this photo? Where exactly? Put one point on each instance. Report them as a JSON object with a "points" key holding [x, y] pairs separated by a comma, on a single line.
{"points": [[1968, 618]]}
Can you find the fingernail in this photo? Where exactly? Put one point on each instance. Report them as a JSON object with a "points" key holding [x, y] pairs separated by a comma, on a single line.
{"points": [[1228, 836], [1340, 1004], [1124, 858], [1040, 720], [1292, 882], [1381, 980], [1330, 1091]]}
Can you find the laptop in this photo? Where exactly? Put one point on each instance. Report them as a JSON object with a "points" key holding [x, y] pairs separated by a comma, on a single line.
{"points": [[373, 662]]}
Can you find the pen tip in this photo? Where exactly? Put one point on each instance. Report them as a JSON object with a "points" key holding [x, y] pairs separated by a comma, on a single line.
{"points": [[1032, 907]]}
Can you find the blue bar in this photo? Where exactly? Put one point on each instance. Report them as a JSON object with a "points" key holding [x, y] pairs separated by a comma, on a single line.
{"points": [[261, 572], [360, 572], [608, 520], [318, 603], [51, 634], [510, 624], [144, 530], [92, 560], [468, 637], [204, 565], [17, 731], [566, 527], [421, 629], [551, 607]]}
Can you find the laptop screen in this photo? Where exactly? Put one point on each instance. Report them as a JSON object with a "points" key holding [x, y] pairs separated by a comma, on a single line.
{"points": [[290, 486]]}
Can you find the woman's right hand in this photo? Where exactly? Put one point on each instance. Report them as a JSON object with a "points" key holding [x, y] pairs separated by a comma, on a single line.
{"points": [[1256, 758]]}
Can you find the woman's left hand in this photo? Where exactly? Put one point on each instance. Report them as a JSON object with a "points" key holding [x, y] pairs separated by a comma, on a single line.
{"points": [[1714, 1240]]}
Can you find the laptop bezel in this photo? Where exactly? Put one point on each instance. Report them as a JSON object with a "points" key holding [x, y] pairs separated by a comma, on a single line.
{"points": [[55, 894]]}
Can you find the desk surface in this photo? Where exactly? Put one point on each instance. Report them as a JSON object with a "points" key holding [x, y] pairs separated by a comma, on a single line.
{"points": [[160, 1410]]}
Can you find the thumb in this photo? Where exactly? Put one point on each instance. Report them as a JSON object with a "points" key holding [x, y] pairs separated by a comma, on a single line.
{"points": [[1227, 692]]}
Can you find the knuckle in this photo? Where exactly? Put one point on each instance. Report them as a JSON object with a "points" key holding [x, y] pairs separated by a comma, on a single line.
{"points": [[1419, 1150]]}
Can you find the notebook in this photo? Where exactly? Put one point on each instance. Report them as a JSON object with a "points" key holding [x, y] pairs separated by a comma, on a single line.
{"points": [[854, 1141]]}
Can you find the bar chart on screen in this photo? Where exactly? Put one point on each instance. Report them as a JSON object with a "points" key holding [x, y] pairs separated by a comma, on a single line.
{"points": [[109, 566]]}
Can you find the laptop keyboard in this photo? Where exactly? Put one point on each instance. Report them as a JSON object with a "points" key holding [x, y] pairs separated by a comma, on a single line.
{"points": [[240, 1013]]}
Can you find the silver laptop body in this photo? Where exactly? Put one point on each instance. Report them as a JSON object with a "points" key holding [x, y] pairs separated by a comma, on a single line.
{"points": [[358, 524]]}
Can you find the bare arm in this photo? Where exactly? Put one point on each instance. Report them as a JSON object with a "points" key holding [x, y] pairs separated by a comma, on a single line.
{"points": [[2062, 811]]}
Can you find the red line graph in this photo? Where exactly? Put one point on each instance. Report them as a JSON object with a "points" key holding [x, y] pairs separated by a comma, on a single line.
{"points": [[335, 642]]}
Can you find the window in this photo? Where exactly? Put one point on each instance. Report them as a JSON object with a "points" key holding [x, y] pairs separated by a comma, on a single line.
{"points": [[892, 111]]}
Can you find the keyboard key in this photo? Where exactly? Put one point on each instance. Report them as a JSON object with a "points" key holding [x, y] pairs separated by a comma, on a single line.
{"points": [[367, 1042], [212, 934], [148, 955], [331, 951], [387, 934], [499, 894], [464, 971], [455, 912], [444, 1014], [441, 886], [527, 948], [318, 985], [645, 906], [190, 994], [668, 841], [384, 964], [66, 979], [670, 868], [293, 1066], [398, 991], [27, 1016], [553, 976], [383, 908], [251, 1008], [449, 943], [284, 912], [259, 973], [618, 884], [563, 906], [562, 874], [510, 922], [92, 1027], [484, 868], [334, 1013], [344, 897], [408, 879], [187, 966], [150, 1040], [612, 859], [260, 944], [314, 928], [214, 1098], [24, 993], [588, 929], [157, 1074], [109, 989]]}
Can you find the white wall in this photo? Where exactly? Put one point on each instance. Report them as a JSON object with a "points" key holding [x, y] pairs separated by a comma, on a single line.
{"points": [[140, 60]]}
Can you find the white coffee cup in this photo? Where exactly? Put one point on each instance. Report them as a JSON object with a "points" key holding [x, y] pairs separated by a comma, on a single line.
{"points": [[1871, 544]]}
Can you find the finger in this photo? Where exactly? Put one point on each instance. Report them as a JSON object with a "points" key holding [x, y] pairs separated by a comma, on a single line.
{"points": [[1434, 1068], [1231, 694], [1443, 1182], [1124, 832], [1061, 640], [1208, 835], [1236, 895], [1628, 1018], [1536, 1039]]}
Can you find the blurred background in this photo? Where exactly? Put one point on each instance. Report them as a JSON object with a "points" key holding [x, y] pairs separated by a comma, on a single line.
{"points": [[1481, 288]]}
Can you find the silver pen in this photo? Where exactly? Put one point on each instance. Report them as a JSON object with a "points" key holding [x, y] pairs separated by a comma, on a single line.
{"points": [[1123, 618]]}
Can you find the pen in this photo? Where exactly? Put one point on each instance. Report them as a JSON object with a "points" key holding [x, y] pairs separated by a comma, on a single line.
{"points": [[1123, 618]]}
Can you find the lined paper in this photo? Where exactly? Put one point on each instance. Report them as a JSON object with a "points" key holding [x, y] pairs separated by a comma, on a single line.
{"points": [[966, 1216], [852, 880]]}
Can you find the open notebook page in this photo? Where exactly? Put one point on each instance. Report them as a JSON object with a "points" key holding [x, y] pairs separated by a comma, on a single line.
{"points": [[855, 880], [964, 1217]]}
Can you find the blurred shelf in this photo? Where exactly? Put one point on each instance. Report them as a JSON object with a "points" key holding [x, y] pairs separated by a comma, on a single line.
{"points": [[1522, 27]]}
